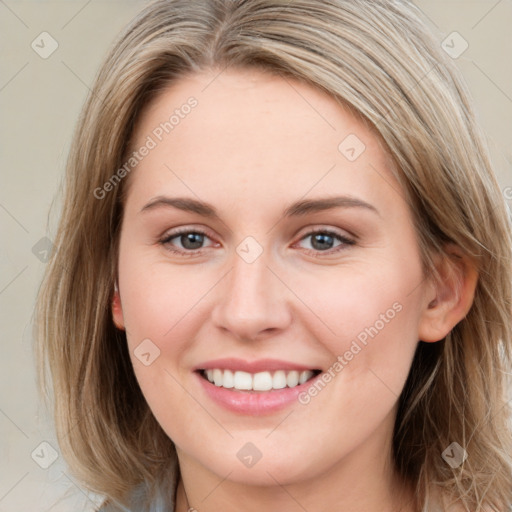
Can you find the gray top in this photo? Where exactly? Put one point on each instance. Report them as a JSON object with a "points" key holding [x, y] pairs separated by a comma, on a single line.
{"points": [[162, 502]]}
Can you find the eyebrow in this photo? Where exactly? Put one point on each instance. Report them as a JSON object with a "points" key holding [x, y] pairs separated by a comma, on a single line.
{"points": [[297, 209]]}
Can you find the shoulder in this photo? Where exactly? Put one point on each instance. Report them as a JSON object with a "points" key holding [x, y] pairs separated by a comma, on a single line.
{"points": [[110, 507], [140, 501]]}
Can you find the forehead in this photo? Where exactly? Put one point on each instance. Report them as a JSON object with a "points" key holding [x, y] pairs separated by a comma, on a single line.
{"points": [[251, 133], [251, 106]]}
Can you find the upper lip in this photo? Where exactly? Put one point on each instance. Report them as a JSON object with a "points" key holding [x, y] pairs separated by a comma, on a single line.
{"points": [[260, 365]]}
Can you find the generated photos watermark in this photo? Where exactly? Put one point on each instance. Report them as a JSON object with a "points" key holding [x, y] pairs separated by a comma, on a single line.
{"points": [[151, 142], [343, 360]]}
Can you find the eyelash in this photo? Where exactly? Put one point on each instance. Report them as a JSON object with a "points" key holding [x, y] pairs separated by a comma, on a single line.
{"points": [[194, 252]]}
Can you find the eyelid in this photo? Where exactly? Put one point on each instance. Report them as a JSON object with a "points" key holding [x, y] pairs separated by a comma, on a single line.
{"points": [[315, 228], [170, 234]]}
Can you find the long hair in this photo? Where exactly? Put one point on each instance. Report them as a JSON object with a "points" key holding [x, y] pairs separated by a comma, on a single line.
{"points": [[379, 59]]}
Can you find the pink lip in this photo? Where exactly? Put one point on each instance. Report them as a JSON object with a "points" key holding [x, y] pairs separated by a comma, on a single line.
{"points": [[261, 365], [255, 403]]}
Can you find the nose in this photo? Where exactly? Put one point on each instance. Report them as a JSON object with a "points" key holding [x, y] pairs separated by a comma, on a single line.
{"points": [[253, 301]]}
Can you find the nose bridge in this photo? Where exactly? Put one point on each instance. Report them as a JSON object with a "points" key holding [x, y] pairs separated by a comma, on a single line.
{"points": [[253, 299], [251, 277]]}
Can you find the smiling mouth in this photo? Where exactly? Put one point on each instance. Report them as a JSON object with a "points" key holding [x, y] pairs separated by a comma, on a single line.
{"points": [[261, 381]]}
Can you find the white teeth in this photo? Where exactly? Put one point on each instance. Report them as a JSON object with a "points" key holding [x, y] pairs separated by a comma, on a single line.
{"points": [[261, 381], [243, 380], [218, 377], [304, 376], [292, 379], [228, 380], [279, 380]]}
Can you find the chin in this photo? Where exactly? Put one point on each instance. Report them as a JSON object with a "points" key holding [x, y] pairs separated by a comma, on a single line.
{"points": [[280, 468]]}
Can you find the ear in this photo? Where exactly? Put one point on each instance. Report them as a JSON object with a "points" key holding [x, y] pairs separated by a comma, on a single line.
{"points": [[448, 301], [117, 309]]}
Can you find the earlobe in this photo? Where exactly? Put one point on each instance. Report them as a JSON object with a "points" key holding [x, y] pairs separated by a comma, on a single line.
{"points": [[454, 295], [117, 310]]}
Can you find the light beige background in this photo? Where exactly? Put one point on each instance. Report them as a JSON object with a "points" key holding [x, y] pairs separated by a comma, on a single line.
{"points": [[40, 100]]}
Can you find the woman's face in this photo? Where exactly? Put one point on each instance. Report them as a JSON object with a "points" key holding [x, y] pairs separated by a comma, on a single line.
{"points": [[264, 242]]}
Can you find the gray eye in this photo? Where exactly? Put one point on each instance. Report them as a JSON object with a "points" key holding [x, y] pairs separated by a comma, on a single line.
{"points": [[191, 240], [321, 241]]}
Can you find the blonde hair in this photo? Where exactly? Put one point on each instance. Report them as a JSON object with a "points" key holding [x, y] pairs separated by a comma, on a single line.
{"points": [[379, 59]]}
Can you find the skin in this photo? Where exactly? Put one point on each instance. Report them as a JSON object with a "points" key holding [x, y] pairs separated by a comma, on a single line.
{"points": [[254, 144]]}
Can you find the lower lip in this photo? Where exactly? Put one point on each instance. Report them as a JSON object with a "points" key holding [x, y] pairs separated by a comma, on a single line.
{"points": [[254, 402]]}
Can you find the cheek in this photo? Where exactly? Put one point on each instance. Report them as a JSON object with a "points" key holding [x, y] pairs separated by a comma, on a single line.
{"points": [[158, 299], [349, 301], [161, 303], [367, 319]]}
